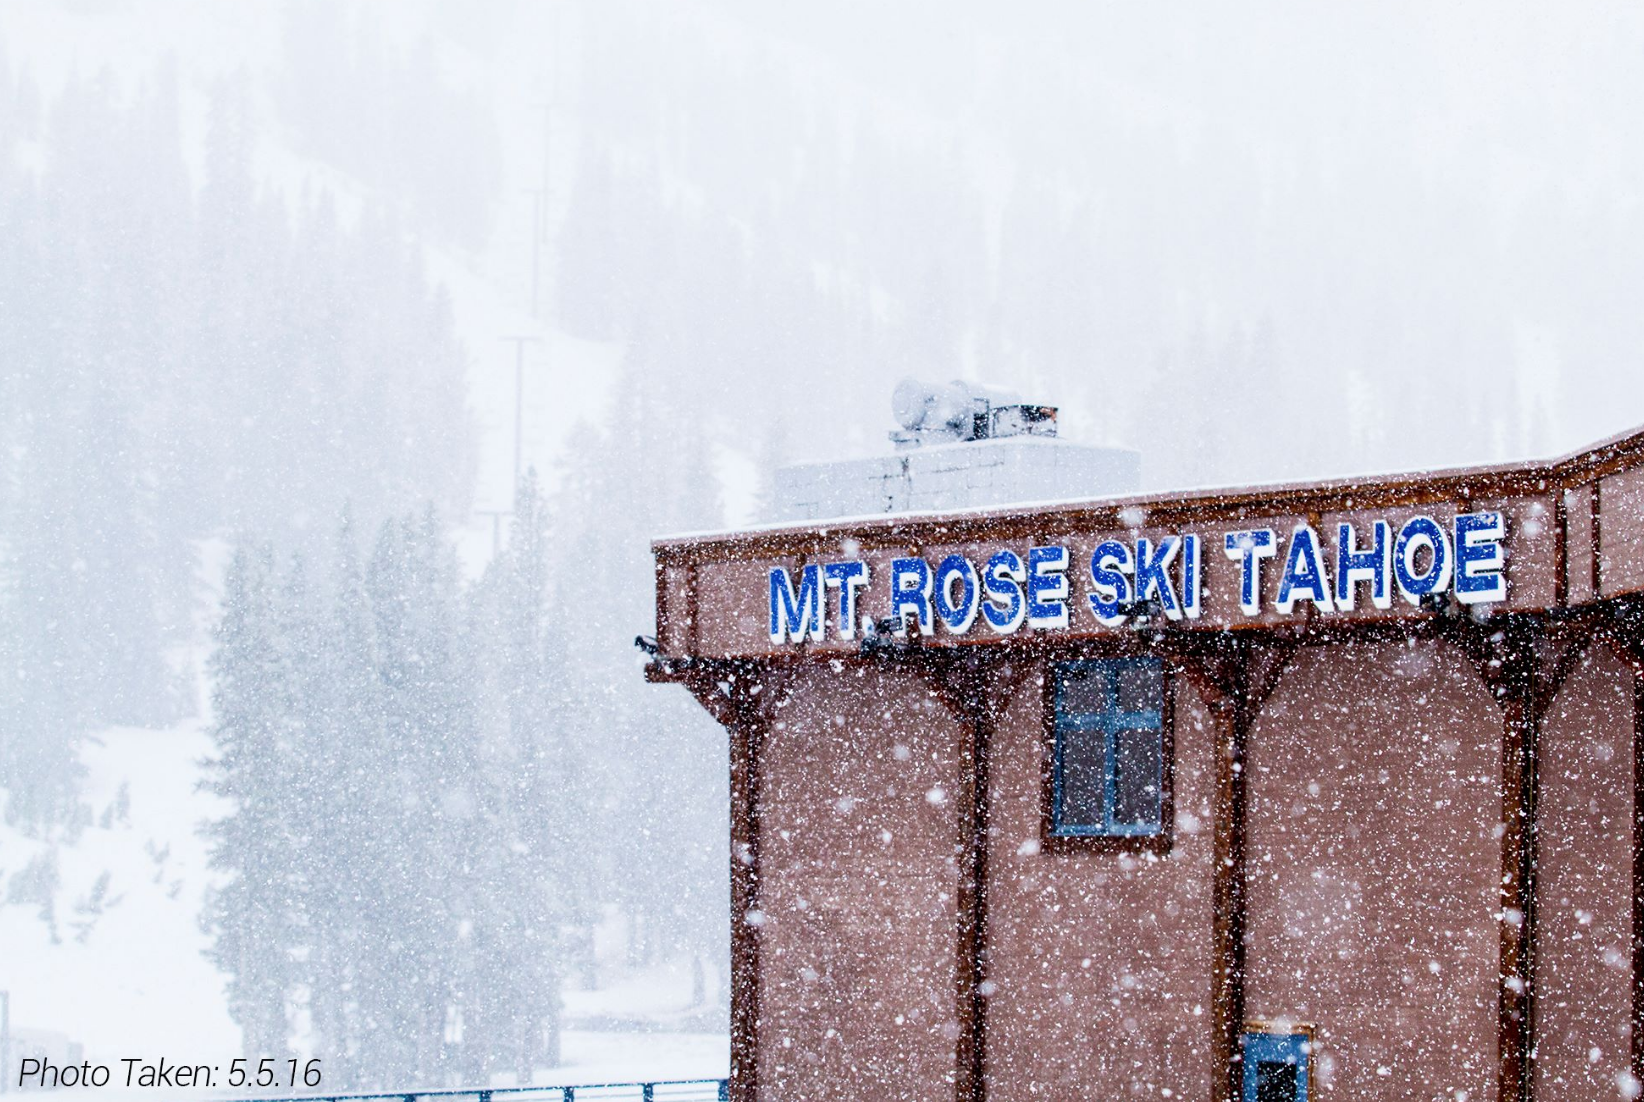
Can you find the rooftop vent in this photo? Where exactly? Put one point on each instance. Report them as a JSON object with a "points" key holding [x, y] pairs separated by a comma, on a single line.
{"points": [[961, 446], [963, 411]]}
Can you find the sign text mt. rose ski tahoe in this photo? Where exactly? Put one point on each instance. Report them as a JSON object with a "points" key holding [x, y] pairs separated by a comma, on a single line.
{"points": [[1334, 571]]}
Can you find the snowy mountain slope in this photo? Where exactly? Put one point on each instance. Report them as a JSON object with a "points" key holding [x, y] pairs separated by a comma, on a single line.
{"points": [[566, 378], [110, 953]]}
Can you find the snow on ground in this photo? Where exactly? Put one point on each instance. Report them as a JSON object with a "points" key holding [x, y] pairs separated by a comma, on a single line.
{"points": [[661, 997], [126, 975], [628, 1057]]}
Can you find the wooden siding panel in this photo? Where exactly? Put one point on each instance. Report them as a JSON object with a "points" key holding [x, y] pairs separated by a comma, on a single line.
{"points": [[1372, 864], [860, 836], [1584, 906], [1100, 961]]}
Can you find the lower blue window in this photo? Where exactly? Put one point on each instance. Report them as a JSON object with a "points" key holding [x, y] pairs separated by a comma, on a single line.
{"points": [[1108, 771], [1275, 1067]]}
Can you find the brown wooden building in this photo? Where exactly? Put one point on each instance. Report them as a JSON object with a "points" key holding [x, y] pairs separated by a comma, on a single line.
{"points": [[1324, 790]]}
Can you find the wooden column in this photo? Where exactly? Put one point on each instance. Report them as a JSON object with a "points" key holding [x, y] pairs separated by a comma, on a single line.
{"points": [[1625, 634], [968, 695], [1504, 653], [1523, 660], [1234, 676], [1227, 901], [1520, 735], [1636, 1062], [742, 697], [974, 687]]}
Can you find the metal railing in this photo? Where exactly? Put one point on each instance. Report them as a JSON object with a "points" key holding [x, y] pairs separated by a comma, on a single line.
{"points": [[673, 1090]]}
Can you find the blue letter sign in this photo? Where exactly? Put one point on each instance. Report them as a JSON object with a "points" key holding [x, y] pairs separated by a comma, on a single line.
{"points": [[1419, 558]]}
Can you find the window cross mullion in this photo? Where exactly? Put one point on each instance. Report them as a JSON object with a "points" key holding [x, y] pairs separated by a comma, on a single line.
{"points": [[1107, 779]]}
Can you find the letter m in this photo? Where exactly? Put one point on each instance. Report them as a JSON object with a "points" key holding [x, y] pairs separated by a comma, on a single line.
{"points": [[794, 616]]}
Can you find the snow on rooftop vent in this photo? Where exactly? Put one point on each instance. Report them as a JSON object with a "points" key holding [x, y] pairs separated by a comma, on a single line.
{"points": [[960, 446], [964, 411]]}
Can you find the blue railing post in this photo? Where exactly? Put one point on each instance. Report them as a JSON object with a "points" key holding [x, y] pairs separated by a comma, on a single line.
{"points": [[724, 1090], [647, 1092]]}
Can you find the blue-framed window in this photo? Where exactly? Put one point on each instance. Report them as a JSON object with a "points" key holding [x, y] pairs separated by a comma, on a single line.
{"points": [[1108, 775], [1275, 1067]]}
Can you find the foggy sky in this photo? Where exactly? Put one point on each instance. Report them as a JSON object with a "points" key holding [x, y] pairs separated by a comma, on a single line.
{"points": [[1430, 207]]}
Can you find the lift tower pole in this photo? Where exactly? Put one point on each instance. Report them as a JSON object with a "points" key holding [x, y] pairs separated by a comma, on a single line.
{"points": [[519, 397]]}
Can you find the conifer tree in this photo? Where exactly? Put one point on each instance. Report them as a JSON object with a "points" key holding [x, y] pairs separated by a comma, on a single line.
{"points": [[250, 917], [532, 888], [350, 731], [429, 807], [166, 352]]}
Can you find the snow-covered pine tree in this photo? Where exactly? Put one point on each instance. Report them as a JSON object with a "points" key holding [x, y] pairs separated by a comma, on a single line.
{"points": [[425, 814], [657, 763], [348, 792], [532, 879], [165, 350], [252, 917], [312, 834]]}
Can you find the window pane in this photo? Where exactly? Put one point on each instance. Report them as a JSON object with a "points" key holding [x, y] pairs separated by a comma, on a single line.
{"points": [[1082, 778], [1137, 776], [1084, 691], [1109, 747], [1276, 1082], [1141, 687]]}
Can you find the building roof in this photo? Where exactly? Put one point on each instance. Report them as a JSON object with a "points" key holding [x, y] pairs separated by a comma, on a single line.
{"points": [[1571, 532]]}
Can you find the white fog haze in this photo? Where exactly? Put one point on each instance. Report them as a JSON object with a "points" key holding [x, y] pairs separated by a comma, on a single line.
{"points": [[322, 728]]}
